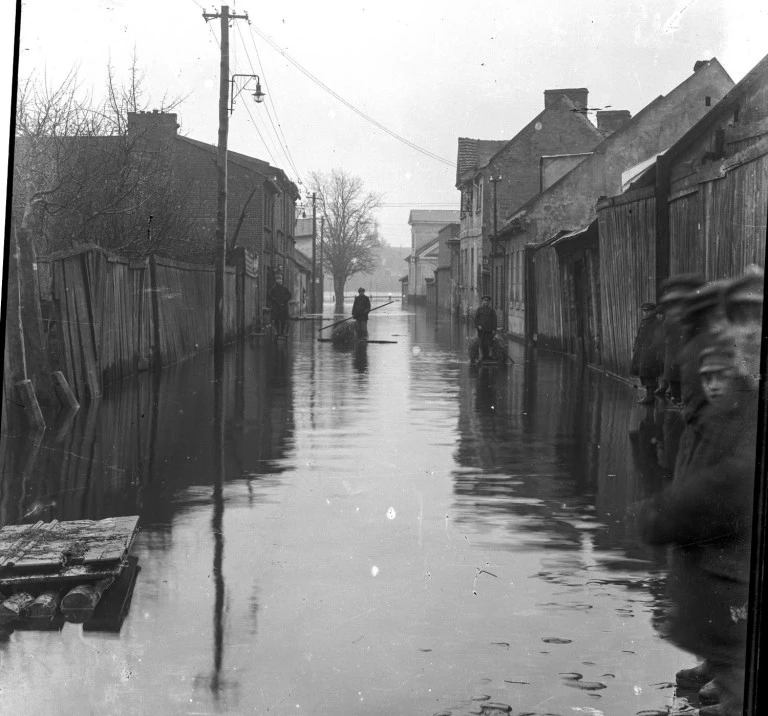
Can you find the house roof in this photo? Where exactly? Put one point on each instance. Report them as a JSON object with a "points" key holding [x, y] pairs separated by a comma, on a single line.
{"points": [[433, 216], [755, 76], [475, 154], [429, 246], [629, 126], [638, 171], [265, 169], [302, 259]]}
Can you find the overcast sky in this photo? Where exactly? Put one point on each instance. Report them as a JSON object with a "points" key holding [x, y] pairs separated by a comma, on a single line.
{"points": [[429, 70]]}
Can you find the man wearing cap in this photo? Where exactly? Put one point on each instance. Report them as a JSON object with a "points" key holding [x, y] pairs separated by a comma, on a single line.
{"points": [[674, 292], [485, 323], [648, 352], [360, 309], [705, 515]]}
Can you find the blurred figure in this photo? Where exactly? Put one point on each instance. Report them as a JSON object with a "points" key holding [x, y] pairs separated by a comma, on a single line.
{"points": [[647, 443], [648, 352], [705, 514], [485, 323], [674, 291]]}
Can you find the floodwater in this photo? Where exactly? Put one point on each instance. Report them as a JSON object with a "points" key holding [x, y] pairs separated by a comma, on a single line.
{"points": [[383, 530]]}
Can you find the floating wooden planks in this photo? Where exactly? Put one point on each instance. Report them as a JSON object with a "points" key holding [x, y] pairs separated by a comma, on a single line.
{"points": [[57, 552]]}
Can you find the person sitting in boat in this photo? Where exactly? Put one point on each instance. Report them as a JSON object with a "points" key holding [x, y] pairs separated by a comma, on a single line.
{"points": [[279, 296], [360, 309], [485, 323]]}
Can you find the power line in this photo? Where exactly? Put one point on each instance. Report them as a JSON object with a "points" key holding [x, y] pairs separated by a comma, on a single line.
{"points": [[284, 143], [368, 118]]}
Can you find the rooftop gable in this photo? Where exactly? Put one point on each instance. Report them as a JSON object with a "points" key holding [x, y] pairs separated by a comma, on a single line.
{"points": [[475, 154], [634, 125], [756, 76]]}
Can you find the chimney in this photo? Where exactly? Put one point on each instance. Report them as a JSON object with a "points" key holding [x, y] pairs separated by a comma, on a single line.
{"points": [[152, 126], [577, 95], [609, 120]]}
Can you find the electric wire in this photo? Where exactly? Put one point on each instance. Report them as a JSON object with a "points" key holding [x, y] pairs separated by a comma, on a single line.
{"points": [[365, 116], [280, 133], [275, 163]]}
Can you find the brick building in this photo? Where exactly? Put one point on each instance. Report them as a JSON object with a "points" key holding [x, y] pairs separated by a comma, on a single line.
{"points": [[261, 203], [557, 139], [532, 292]]}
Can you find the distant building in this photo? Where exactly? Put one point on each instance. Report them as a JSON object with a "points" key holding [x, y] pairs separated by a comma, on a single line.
{"points": [[446, 294], [425, 226]]}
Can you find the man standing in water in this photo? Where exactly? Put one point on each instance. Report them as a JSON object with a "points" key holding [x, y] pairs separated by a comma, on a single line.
{"points": [[485, 323], [279, 296], [360, 309]]}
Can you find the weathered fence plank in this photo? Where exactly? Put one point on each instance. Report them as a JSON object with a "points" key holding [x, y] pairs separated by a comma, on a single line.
{"points": [[119, 316]]}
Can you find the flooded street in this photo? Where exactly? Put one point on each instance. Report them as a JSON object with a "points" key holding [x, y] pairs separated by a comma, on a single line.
{"points": [[396, 532]]}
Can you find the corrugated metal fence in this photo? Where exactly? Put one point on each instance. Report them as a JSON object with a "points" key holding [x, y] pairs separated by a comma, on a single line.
{"points": [[109, 317]]}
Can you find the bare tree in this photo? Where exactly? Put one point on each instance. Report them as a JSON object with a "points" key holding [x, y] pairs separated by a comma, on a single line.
{"points": [[81, 177], [351, 229]]}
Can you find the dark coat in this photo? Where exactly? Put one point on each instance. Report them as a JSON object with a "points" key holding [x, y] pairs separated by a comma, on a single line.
{"points": [[705, 515], [485, 319], [279, 296], [673, 341], [708, 505], [361, 307], [648, 350]]}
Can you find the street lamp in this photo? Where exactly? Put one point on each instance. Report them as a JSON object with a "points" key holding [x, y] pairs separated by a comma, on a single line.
{"points": [[258, 95]]}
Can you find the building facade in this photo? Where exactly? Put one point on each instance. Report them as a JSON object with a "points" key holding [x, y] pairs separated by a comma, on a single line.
{"points": [[568, 205], [496, 177], [425, 225]]}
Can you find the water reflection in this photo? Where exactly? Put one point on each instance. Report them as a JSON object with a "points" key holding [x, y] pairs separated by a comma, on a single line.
{"points": [[361, 531]]}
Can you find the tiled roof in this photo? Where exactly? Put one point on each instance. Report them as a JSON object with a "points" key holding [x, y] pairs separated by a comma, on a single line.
{"points": [[431, 216], [475, 153]]}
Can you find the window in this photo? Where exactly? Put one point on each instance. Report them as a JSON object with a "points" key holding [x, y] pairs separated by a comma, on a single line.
{"points": [[472, 269], [466, 201], [478, 196]]}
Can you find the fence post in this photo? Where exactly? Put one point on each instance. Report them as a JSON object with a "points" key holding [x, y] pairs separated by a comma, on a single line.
{"points": [[155, 349]]}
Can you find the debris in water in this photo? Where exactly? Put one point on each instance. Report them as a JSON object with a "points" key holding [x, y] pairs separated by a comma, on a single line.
{"points": [[556, 640]]}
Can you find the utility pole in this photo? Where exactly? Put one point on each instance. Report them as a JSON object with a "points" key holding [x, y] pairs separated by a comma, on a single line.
{"points": [[313, 294], [221, 165], [322, 270]]}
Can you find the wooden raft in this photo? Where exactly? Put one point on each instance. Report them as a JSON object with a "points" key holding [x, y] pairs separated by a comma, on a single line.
{"points": [[61, 552]]}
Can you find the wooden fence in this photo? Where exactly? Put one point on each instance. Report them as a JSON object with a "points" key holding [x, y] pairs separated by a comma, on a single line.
{"points": [[628, 269], [107, 317], [718, 226], [549, 299]]}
